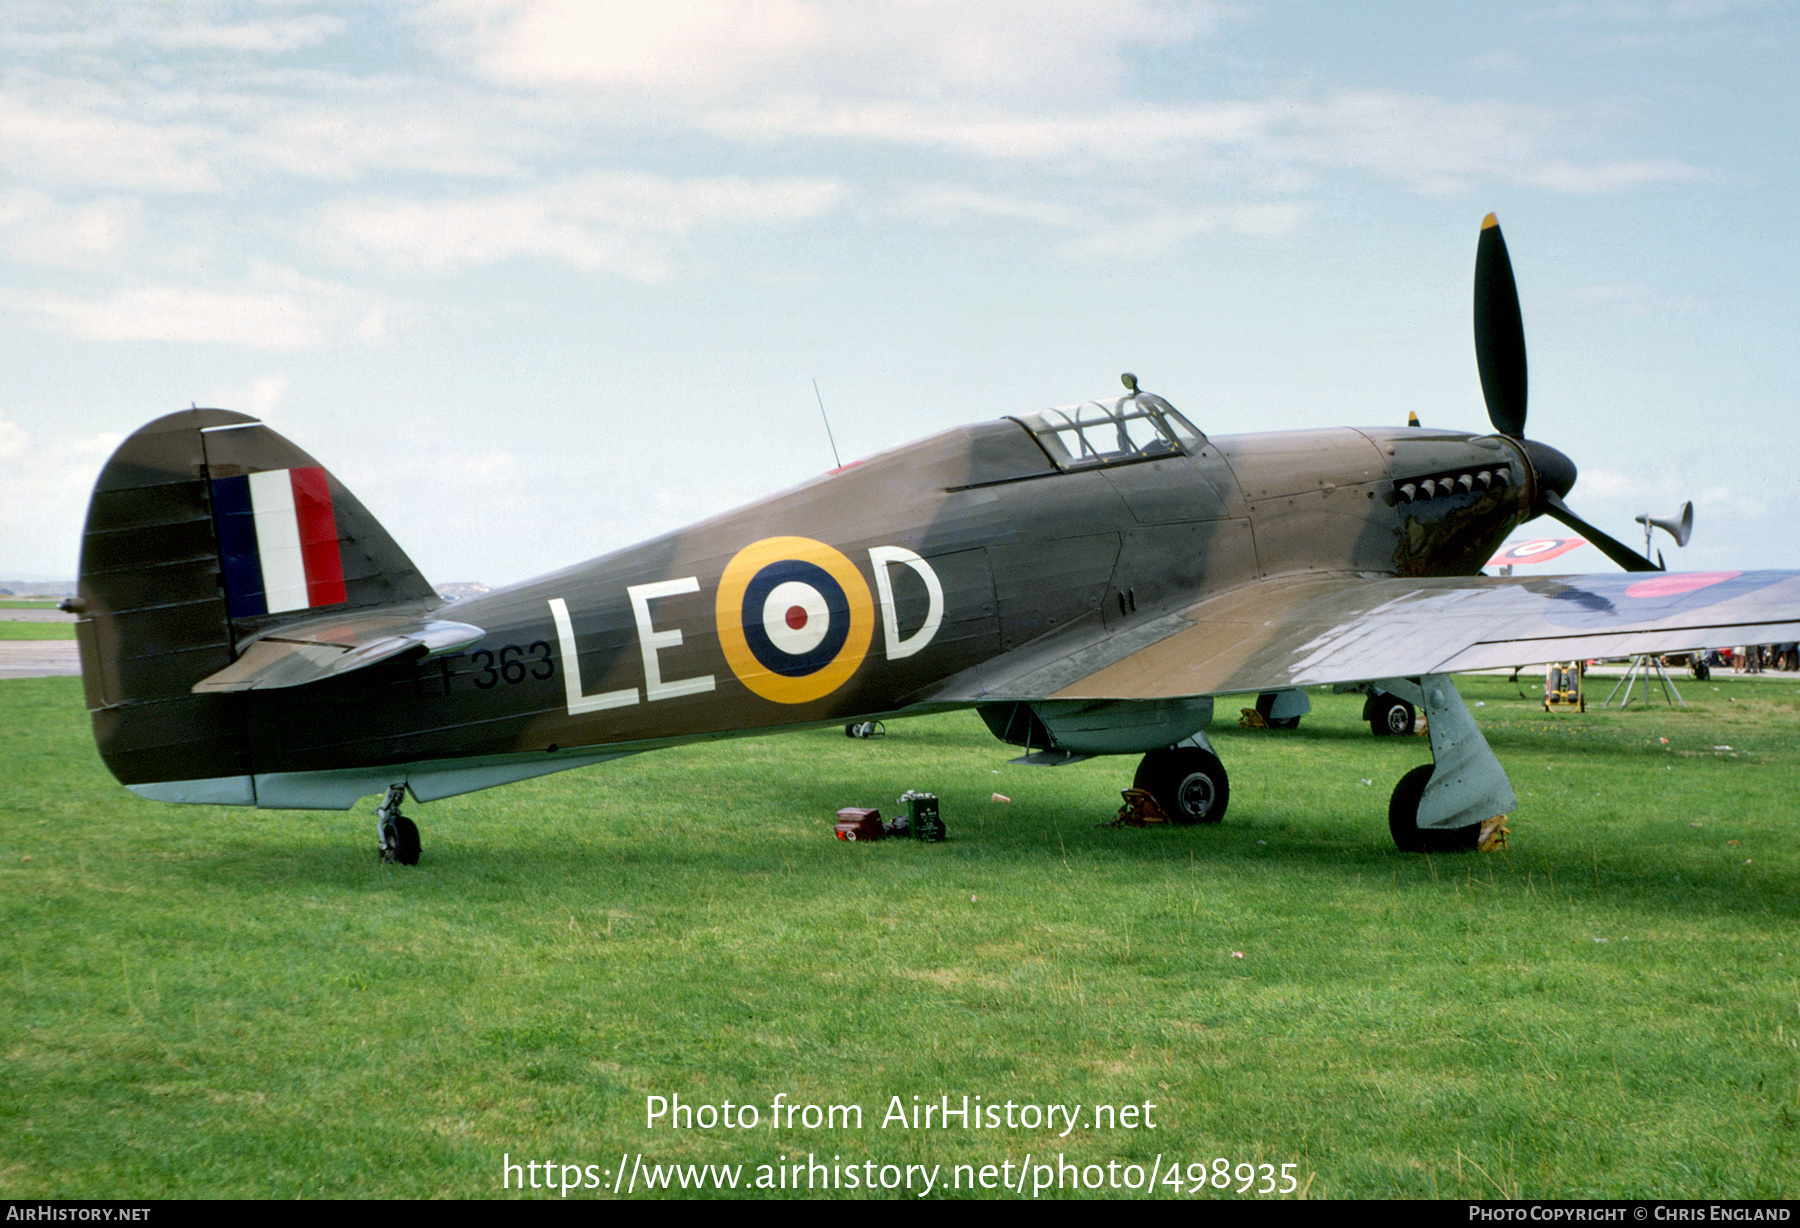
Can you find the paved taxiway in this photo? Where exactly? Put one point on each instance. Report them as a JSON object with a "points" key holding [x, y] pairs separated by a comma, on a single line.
{"points": [[38, 658]]}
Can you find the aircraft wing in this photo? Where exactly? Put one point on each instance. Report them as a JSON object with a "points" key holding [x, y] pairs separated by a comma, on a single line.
{"points": [[1301, 631]]}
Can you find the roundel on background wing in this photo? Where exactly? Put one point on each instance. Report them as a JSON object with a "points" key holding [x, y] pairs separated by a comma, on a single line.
{"points": [[795, 618], [1540, 550]]}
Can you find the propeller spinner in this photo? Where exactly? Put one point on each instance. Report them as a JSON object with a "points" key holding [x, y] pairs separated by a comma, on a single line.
{"points": [[1500, 357]]}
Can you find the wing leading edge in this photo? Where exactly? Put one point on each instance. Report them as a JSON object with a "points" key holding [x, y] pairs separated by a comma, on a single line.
{"points": [[1303, 631]]}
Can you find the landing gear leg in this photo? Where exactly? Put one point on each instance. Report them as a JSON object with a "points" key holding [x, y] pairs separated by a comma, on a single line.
{"points": [[1461, 799], [1187, 780], [397, 835]]}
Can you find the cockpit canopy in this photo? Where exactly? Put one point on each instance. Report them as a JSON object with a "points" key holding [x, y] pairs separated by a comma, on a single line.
{"points": [[1133, 428]]}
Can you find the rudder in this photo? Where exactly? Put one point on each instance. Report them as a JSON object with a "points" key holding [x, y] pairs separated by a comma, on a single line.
{"points": [[206, 529]]}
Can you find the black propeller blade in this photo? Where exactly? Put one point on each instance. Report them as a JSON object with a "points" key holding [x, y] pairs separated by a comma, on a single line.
{"points": [[1499, 333], [1500, 357], [1611, 547]]}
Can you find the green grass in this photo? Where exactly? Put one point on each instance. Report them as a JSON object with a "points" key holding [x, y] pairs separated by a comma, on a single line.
{"points": [[215, 1002], [10, 630], [22, 603]]}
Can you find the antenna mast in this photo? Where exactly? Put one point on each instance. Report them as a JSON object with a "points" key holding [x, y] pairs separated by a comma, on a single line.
{"points": [[838, 460]]}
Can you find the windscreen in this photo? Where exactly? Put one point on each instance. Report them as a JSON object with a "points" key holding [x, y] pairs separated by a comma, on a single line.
{"points": [[1131, 428]]}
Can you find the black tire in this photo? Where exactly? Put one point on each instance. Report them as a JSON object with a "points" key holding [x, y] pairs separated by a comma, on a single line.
{"points": [[1403, 808], [1403, 820], [406, 841], [1188, 783], [1392, 716]]}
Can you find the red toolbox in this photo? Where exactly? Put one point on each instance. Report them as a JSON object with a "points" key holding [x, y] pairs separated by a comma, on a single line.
{"points": [[855, 823]]}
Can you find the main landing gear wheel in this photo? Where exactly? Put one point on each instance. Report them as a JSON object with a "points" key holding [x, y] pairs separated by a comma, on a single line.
{"points": [[1403, 819], [1391, 716], [1188, 783], [398, 836]]}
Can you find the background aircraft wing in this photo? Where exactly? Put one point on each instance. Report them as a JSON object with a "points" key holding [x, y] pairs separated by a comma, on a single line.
{"points": [[1306, 630]]}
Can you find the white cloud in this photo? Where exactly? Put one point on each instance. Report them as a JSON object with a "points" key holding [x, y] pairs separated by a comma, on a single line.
{"points": [[1042, 83], [1662, 489], [260, 398], [134, 23], [1117, 134], [1161, 233], [1501, 62], [35, 228], [950, 205], [1280, 145], [481, 469], [1675, 10], [624, 222], [1563, 176], [119, 131], [273, 36], [71, 144], [682, 51], [325, 126], [44, 491], [277, 308], [1439, 147], [1595, 483], [680, 43], [1630, 300], [1637, 300], [12, 440], [423, 489], [1726, 504]]}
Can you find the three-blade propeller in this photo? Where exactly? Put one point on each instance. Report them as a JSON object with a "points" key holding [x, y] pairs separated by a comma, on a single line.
{"points": [[1500, 357]]}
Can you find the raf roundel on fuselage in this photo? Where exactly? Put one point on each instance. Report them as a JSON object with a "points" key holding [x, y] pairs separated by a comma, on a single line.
{"points": [[795, 618]]}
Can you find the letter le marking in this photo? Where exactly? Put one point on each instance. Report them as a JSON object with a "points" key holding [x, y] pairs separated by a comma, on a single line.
{"points": [[579, 703], [652, 640]]}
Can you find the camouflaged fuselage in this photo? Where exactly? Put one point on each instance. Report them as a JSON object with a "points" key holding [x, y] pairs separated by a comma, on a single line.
{"points": [[929, 576]]}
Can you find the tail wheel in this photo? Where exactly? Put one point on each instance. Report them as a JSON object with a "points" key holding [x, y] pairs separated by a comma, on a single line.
{"points": [[398, 836], [406, 841], [1392, 716], [1188, 783], [1403, 819]]}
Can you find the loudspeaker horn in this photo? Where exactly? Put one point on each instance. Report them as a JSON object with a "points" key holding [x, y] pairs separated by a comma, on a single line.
{"points": [[1680, 527]]}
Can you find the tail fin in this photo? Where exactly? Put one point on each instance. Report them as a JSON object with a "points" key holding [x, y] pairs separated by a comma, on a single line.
{"points": [[206, 529]]}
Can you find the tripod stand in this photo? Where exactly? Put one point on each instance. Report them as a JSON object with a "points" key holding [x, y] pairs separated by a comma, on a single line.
{"points": [[1642, 668]]}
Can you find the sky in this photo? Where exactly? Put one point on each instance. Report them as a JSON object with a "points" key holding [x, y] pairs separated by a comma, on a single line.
{"points": [[538, 279]]}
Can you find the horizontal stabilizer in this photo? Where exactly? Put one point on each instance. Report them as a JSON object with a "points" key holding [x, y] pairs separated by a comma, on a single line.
{"points": [[302, 653]]}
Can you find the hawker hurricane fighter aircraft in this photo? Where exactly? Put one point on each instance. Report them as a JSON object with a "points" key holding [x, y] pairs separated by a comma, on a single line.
{"points": [[1087, 579]]}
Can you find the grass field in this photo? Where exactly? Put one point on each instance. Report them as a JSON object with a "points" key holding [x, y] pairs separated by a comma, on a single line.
{"points": [[215, 1002], [36, 631]]}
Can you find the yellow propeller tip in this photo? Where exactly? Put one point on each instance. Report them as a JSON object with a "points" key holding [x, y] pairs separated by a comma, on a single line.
{"points": [[1489, 220]]}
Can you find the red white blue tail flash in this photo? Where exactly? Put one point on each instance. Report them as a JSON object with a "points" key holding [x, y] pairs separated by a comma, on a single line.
{"points": [[278, 541]]}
